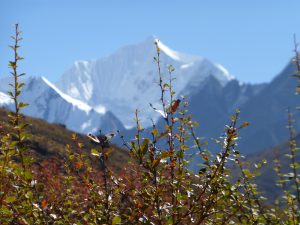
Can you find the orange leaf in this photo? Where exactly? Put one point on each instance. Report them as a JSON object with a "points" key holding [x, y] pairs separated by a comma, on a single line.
{"points": [[107, 151], [44, 203], [205, 157], [245, 124], [78, 165], [175, 105]]}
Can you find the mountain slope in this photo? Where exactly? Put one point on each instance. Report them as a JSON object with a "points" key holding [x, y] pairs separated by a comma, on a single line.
{"points": [[49, 103], [49, 141], [263, 106], [267, 114], [268, 178]]}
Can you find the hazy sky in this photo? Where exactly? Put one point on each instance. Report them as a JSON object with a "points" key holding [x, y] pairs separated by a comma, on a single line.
{"points": [[253, 39]]}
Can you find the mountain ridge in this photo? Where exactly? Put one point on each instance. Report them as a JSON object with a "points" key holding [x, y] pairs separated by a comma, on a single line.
{"points": [[49, 103]]}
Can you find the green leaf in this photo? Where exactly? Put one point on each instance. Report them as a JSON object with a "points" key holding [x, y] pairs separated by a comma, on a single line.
{"points": [[232, 118], [184, 147], [154, 132], [21, 85], [116, 220], [94, 152], [236, 152], [5, 211], [201, 164], [163, 134], [10, 94], [29, 195], [23, 136], [22, 104], [171, 69], [27, 175], [74, 136], [264, 161], [144, 146], [165, 154], [133, 145], [35, 214], [203, 170], [247, 173], [12, 64], [155, 162], [10, 199], [80, 145], [165, 85], [180, 154]]}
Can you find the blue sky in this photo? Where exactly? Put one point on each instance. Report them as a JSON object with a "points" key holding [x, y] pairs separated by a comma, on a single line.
{"points": [[253, 39]]}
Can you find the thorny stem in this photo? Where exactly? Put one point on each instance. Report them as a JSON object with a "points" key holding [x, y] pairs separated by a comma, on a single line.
{"points": [[195, 138], [182, 131], [170, 131], [160, 80], [125, 144], [181, 137], [279, 172], [250, 193], [171, 148], [16, 121], [229, 143], [106, 185]]}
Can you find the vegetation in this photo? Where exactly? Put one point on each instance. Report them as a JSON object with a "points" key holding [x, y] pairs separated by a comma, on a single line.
{"points": [[75, 186]]}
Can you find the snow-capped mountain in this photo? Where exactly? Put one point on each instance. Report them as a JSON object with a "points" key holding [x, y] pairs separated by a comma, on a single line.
{"points": [[104, 93], [49, 103], [127, 80]]}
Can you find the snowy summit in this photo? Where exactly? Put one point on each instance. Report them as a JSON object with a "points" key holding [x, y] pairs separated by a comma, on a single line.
{"points": [[127, 79]]}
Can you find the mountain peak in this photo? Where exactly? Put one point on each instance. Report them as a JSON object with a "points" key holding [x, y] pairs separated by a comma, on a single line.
{"points": [[151, 39], [175, 55], [125, 80], [172, 54]]}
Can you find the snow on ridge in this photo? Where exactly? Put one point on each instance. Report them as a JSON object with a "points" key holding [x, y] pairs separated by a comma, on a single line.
{"points": [[177, 56], [5, 99], [173, 54], [225, 72], [100, 109], [184, 66], [75, 102]]}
